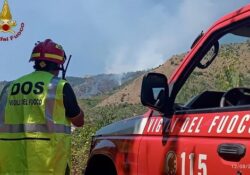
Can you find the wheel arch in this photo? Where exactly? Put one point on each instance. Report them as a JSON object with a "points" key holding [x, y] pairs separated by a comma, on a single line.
{"points": [[100, 164]]}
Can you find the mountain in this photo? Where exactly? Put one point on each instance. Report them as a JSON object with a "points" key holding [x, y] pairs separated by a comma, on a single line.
{"points": [[120, 88], [125, 88], [90, 86], [131, 93], [231, 64]]}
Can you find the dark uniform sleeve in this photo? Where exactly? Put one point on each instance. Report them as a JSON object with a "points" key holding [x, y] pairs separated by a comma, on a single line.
{"points": [[70, 103]]}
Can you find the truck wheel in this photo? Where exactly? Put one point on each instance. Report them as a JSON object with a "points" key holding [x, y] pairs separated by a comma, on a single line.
{"points": [[99, 165]]}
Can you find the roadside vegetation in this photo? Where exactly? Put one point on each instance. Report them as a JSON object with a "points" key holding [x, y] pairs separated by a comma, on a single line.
{"points": [[95, 118]]}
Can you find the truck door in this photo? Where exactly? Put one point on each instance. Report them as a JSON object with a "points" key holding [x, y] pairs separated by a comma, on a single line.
{"points": [[208, 130], [197, 143]]}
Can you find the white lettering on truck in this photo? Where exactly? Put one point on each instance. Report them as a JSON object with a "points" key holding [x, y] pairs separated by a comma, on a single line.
{"points": [[241, 127], [220, 124]]}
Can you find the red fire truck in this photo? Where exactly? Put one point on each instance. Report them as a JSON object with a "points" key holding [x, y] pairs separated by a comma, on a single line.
{"points": [[198, 121]]}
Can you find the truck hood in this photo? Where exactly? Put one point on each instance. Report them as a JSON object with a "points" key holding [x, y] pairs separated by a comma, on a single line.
{"points": [[134, 125]]}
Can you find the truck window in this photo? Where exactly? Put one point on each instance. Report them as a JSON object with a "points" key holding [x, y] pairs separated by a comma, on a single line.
{"points": [[206, 87]]}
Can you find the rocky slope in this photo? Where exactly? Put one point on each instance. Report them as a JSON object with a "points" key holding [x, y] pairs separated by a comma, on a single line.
{"points": [[131, 93]]}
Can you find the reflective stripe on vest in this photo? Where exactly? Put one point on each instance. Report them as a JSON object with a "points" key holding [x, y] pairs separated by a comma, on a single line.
{"points": [[48, 127]]}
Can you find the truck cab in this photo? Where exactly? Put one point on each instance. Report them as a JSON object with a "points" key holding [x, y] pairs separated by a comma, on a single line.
{"points": [[198, 120]]}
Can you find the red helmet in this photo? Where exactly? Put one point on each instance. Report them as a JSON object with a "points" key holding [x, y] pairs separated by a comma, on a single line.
{"points": [[48, 51]]}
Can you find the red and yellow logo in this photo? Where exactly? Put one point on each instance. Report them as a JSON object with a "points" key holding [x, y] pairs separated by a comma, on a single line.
{"points": [[6, 22]]}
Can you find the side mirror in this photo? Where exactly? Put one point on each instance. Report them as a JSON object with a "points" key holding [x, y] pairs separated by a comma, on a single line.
{"points": [[155, 91]]}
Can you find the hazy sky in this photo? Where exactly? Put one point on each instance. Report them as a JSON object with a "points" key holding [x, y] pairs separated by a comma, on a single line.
{"points": [[108, 36]]}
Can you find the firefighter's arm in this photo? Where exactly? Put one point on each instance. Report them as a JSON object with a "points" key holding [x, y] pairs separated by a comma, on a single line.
{"points": [[78, 120], [72, 110]]}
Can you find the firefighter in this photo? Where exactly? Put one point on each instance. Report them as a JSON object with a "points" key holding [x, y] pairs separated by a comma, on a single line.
{"points": [[36, 112]]}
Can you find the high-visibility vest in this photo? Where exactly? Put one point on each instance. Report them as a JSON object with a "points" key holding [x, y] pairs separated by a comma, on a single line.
{"points": [[34, 132]]}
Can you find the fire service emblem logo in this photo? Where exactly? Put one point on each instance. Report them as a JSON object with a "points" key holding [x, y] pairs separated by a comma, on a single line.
{"points": [[7, 24]]}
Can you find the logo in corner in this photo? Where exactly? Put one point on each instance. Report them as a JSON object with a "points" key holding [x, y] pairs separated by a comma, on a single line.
{"points": [[7, 24]]}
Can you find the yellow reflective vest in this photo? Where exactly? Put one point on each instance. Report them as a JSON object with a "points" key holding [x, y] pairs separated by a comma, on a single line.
{"points": [[34, 132]]}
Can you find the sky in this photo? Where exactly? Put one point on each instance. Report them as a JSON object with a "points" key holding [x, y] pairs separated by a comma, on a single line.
{"points": [[107, 36]]}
